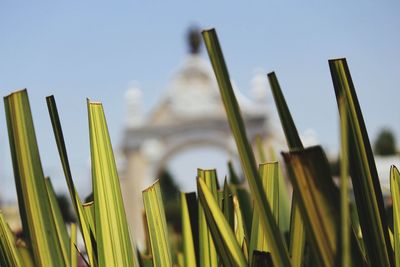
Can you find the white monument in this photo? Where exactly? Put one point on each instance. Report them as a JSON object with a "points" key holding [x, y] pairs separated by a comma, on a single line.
{"points": [[189, 113]]}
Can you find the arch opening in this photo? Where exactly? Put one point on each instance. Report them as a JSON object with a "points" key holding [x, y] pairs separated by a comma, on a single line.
{"points": [[183, 164]]}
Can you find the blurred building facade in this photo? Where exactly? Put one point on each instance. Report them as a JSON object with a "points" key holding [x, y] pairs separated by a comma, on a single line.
{"points": [[189, 113]]}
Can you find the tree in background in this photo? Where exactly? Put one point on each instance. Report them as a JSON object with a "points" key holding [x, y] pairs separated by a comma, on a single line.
{"points": [[385, 143]]}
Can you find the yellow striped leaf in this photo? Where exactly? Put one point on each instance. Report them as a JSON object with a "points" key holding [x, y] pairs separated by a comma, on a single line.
{"points": [[114, 246], [9, 255], [240, 229], [89, 236], [365, 180], [61, 228], [269, 173], [297, 233], [72, 246], [395, 190], [224, 238], [344, 189], [279, 251], [29, 179], [189, 255], [208, 254], [156, 222], [88, 209]]}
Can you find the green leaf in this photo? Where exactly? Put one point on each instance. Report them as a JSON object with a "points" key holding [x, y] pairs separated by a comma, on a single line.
{"points": [[114, 247], [88, 209], [240, 231], [284, 204], [289, 128], [395, 190], [208, 254], [317, 199], [344, 189], [72, 246], [227, 205], [367, 190], [284, 199], [29, 179], [242, 193], [279, 252], [61, 228], [269, 173], [297, 237], [180, 259], [391, 238], [224, 238], [297, 233], [357, 240], [89, 236], [245, 202], [26, 257], [156, 222], [189, 254], [9, 255]]}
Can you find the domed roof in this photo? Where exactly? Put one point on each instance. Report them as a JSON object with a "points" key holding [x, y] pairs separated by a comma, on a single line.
{"points": [[192, 93]]}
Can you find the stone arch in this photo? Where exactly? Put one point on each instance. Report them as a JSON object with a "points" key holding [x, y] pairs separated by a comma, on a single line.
{"points": [[189, 114]]}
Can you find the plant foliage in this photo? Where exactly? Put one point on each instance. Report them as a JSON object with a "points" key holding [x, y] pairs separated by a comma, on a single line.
{"points": [[239, 223]]}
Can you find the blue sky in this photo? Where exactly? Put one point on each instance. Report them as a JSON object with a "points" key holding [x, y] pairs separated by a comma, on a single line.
{"points": [[95, 49]]}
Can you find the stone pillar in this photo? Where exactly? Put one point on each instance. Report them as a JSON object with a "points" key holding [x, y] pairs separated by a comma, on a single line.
{"points": [[135, 173]]}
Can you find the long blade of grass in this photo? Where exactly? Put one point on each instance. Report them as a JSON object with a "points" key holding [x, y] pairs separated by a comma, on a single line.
{"points": [[344, 189], [29, 179], [242, 193], [157, 224], [180, 259], [289, 128], [72, 246], [279, 252], [189, 254], [88, 233], [242, 210], [363, 171], [240, 231], [395, 190], [88, 209], [391, 238], [9, 255], [269, 173], [284, 200], [26, 257], [224, 238], [227, 205], [61, 228], [356, 230], [269, 176], [318, 200], [208, 254], [284, 204], [114, 247], [297, 237]]}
